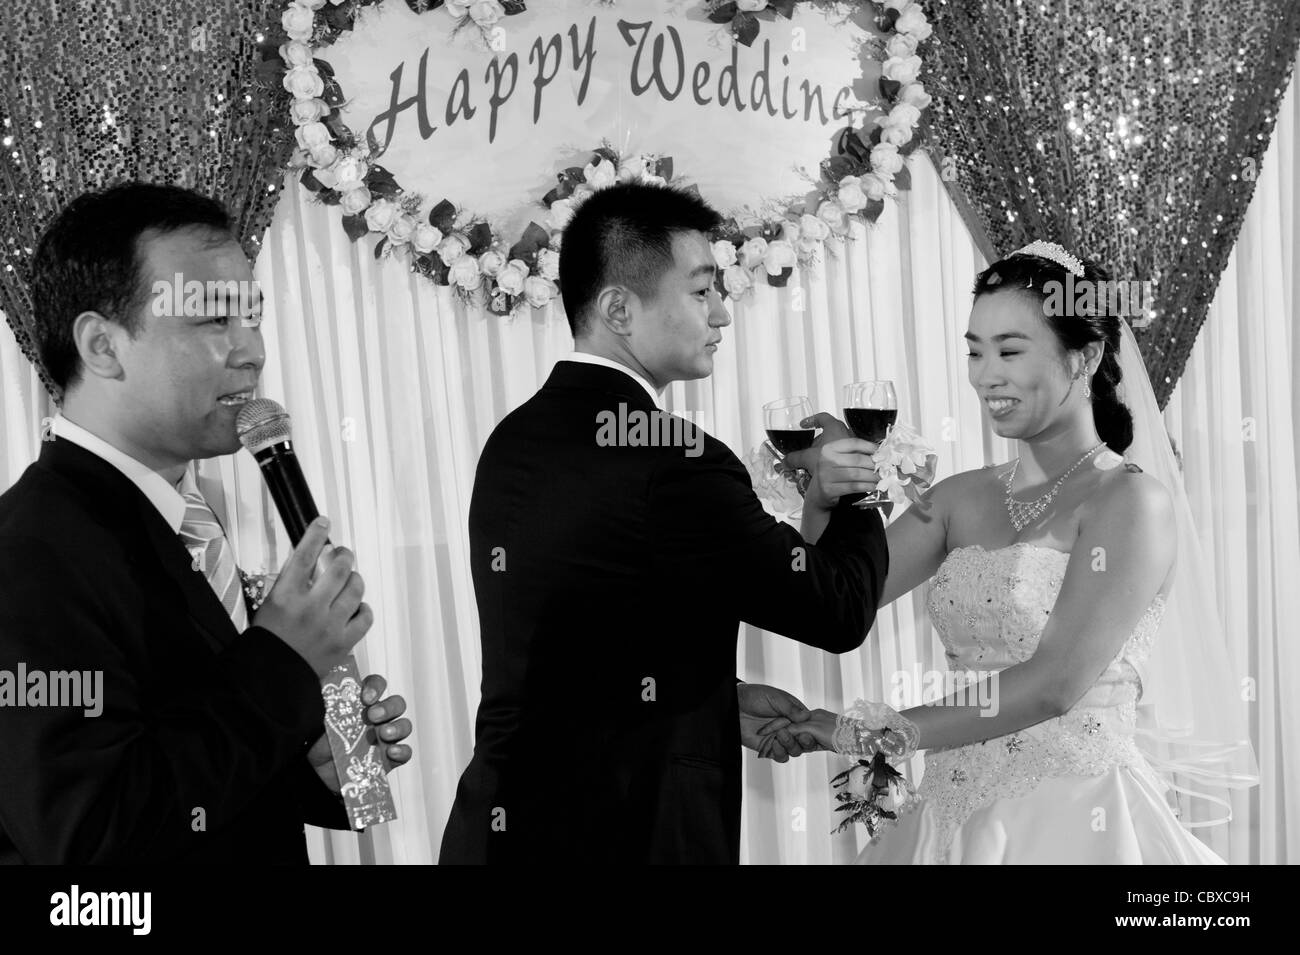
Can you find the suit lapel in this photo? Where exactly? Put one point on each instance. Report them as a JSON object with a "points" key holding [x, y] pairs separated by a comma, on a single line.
{"points": [[123, 506]]}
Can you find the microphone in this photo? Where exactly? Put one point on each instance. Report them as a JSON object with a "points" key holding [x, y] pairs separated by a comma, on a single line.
{"points": [[263, 428]]}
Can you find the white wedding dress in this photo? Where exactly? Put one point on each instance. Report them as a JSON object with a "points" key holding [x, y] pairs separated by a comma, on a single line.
{"points": [[1074, 789]]}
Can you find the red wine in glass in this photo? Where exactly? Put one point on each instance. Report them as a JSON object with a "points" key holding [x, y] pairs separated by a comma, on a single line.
{"points": [[790, 440], [870, 424], [870, 410]]}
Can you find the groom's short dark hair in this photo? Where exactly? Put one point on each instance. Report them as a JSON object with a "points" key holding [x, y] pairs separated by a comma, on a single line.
{"points": [[623, 235]]}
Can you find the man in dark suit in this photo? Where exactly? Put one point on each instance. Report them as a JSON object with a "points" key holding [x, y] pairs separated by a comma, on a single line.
{"points": [[615, 552], [207, 743]]}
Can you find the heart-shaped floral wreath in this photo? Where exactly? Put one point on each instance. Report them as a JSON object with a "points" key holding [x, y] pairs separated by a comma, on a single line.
{"points": [[454, 247]]}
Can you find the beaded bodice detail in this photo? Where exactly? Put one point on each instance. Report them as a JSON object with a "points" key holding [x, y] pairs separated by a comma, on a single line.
{"points": [[990, 608]]}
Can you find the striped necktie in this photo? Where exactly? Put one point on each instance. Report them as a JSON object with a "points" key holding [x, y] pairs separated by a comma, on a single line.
{"points": [[206, 541]]}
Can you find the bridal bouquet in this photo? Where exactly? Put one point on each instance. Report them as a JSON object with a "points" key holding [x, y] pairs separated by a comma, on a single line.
{"points": [[899, 459], [780, 491], [872, 792]]}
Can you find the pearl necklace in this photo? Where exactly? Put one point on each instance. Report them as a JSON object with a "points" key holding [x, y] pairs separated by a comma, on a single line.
{"points": [[1024, 513]]}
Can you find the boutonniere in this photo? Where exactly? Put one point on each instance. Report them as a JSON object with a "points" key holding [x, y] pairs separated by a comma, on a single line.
{"points": [[256, 587]]}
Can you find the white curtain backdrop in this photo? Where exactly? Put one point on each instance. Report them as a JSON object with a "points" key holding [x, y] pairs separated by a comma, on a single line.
{"points": [[394, 386]]}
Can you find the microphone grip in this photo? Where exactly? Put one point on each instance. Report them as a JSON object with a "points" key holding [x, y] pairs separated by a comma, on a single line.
{"points": [[284, 478]]}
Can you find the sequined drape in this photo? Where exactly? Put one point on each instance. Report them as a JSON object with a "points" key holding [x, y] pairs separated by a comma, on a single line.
{"points": [[93, 93], [1130, 131]]}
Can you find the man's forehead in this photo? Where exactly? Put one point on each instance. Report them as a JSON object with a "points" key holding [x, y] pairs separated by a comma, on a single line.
{"points": [[691, 250], [197, 252]]}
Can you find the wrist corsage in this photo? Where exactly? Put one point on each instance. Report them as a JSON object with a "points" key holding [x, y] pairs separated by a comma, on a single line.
{"points": [[873, 791]]}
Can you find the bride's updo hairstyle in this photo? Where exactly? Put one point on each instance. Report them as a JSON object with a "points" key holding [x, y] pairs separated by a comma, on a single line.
{"points": [[1030, 275]]}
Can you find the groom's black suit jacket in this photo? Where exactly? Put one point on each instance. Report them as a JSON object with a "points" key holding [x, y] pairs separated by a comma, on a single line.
{"points": [[611, 582], [200, 724]]}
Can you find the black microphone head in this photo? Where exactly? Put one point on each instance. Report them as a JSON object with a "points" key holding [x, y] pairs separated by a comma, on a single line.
{"points": [[262, 423]]}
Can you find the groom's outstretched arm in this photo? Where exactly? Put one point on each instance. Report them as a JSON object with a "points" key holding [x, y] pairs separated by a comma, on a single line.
{"points": [[709, 529]]}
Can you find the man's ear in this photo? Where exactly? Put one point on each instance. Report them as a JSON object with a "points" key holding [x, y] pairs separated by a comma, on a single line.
{"points": [[614, 308], [96, 339]]}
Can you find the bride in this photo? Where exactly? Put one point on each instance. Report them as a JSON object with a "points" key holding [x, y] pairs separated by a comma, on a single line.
{"points": [[1050, 577]]}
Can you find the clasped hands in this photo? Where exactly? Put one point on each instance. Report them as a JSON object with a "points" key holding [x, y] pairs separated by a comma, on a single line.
{"points": [[776, 725]]}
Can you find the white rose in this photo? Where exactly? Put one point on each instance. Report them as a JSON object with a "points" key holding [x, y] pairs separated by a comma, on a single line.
{"points": [[630, 170], [914, 94], [511, 277], [876, 188], [904, 114], [903, 69], [832, 213], [426, 238], [486, 13], [780, 256], [811, 227], [299, 159], [752, 252], [311, 135], [912, 21], [859, 782], [355, 201], [459, 8], [324, 156], [548, 264], [885, 160], [901, 45], [737, 281], [325, 175], [561, 213], [724, 254], [295, 53], [400, 232], [304, 82], [464, 272], [600, 174], [349, 172], [893, 135], [751, 6], [538, 291], [304, 111], [298, 21], [381, 215], [311, 4], [893, 798], [850, 195], [490, 262], [451, 248]]}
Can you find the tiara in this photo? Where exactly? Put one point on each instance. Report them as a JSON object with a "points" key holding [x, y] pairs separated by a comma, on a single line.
{"points": [[1053, 253]]}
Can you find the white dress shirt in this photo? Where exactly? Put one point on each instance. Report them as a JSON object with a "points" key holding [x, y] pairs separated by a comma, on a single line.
{"points": [[153, 485], [587, 359]]}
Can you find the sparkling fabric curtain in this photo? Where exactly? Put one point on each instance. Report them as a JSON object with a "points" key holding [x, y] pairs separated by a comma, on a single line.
{"points": [[163, 91], [1130, 131]]}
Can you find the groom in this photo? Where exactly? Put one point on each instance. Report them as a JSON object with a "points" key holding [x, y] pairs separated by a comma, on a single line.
{"points": [[615, 552]]}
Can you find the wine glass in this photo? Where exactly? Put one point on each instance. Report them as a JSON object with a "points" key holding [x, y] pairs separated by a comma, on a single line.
{"points": [[785, 432], [782, 420], [870, 410]]}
